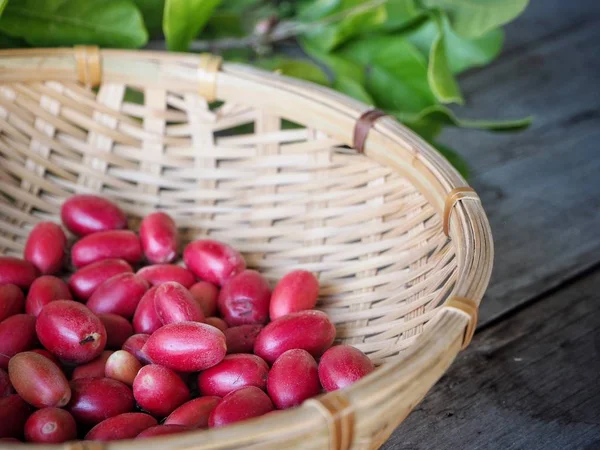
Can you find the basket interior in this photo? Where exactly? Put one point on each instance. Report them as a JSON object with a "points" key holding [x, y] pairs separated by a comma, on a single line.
{"points": [[288, 197]]}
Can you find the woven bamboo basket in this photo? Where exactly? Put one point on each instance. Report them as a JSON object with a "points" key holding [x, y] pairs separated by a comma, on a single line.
{"points": [[400, 243]]}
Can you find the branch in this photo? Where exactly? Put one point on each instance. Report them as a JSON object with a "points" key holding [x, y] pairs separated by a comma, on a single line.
{"points": [[281, 32]]}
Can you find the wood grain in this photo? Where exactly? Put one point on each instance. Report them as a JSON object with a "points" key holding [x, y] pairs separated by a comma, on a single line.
{"points": [[531, 382], [547, 19], [539, 187]]}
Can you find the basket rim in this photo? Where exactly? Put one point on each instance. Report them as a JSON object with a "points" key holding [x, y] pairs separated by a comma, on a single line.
{"points": [[388, 143]]}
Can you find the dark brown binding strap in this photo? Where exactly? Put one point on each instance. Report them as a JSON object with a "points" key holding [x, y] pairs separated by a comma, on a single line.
{"points": [[337, 410], [363, 125]]}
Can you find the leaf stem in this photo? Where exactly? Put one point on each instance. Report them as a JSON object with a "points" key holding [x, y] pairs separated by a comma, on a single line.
{"points": [[282, 31]]}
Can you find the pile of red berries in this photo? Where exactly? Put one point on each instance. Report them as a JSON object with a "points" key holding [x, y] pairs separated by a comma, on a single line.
{"points": [[110, 353]]}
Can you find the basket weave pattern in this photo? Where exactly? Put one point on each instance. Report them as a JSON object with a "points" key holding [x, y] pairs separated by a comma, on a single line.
{"points": [[369, 225]]}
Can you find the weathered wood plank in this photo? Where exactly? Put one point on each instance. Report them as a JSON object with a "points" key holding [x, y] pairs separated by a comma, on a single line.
{"points": [[544, 19], [540, 187], [531, 382]]}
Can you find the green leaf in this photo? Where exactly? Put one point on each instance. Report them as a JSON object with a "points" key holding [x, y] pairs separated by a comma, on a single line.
{"points": [[474, 18], [133, 96], [295, 68], [461, 53], [238, 18], [184, 19], [400, 14], [454, 158], [353, 88], [240, 55], [426, 128], [10, 42], [152, 12], [2, 6], [110, 23], [444, 116], [225, 23], [311, 10], [353, 17], [289, 125], [396, 72], [348, 77], [440, 77], [237, 5], [336, 64]]}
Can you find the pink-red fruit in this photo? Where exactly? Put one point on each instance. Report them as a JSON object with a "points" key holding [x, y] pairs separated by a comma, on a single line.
{"points": [[93, 369], [45, 247], [118, 330], [343, 365], [159, 237], [17, 271], [159, 390], [135, 344], [213, 261], [86, 214], [245, 403], [234, 372], [71, 331], [85, 281], [244, 299], [6, 388], [193, 414], [12, 301], [47, 354], [217, 322], [17, 334], [241, 339], [96, 399], [293, 379], [115, 244], [162, 273], [206, 294], [308, 330], [122, 366], [296, 291], [50, 426], [120, 295], [44, 290], [13, 415], [38, 380], [174, 303], [186, 346], [145, 319], [123, 426]]}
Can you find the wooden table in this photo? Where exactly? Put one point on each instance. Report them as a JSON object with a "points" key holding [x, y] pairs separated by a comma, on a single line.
{"points": [[531, 377]]}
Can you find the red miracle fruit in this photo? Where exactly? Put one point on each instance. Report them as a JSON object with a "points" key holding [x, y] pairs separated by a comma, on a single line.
{"points": [[186, 346], [71, 331]]}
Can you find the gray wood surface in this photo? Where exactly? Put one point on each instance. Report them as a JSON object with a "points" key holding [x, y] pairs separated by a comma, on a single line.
{"points": [[531, 382], [548, 19], [540, 188], [531, 378]]}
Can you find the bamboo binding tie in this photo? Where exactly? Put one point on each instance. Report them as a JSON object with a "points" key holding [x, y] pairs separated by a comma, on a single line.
{"points": [[456, 194], [89, 65], [208, 66], [468, 307], [85, 445], [337, 411], [362, 127]]}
